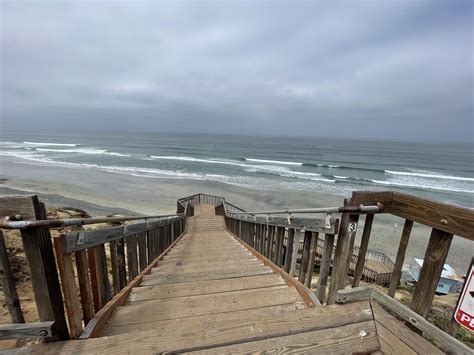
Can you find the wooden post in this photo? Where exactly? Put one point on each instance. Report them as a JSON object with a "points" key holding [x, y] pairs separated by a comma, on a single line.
{"points": [[122, 272], [348, 228], [271, 241], [43, 272], [257, 236], [114, 263], [142, 250], [364, 244], [305, 255], [252, 234], [84, 285], [99, 276], [312, 256], [325, 266], [266, 239], [132, 257], [351, 237], [430, 272], [68, 285], [279, 246], [397, 269], [93, 277], [296, 247], [8, 285], [289, 249], [149, 242]]}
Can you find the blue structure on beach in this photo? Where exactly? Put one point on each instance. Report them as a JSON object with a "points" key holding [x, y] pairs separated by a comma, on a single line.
{"points": [[449, 282]]}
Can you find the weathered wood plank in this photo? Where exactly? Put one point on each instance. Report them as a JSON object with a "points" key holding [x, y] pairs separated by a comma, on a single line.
{"points": [[198, 276], [149, 246], [354, 294], [399, 333], [27, 330], [204, 287], [85, 239], [101, 282], [271, 234], [223, 329], [132, 256], [216, 322], [94, 280], [312, 256], [441, 216], [295, 250], [364, 244], [122, 272], [438, 337], [84, 285], [68, 285], [142, 251], [138, 312], [100, 236], [114, 266], [289, 249], [313, 224], [397, 270], [38, 249], [8, 285], [206, 267], [341, 257], [368, 198], [305, 255], [359, 337], [435, 257], [324, 267]]}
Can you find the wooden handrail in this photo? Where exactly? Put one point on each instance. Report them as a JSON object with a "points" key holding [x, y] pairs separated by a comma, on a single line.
{"points": [[268, 238], [80, 257], [71, 222]]}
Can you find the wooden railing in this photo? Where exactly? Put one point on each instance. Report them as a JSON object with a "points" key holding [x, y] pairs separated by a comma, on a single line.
{"points": [[277, 238], [97, 268], [267, 234], [91, 290], [196, 199]]}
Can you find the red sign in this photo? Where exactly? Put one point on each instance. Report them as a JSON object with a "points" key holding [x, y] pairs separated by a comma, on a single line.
{"points": [[465, 310]]}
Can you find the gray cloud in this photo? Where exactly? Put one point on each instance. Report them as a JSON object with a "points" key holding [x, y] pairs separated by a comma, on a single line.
{"points": [[393, 69]]}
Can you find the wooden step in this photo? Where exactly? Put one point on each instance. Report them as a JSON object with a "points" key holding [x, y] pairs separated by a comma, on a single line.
{"points": [[199, 276], [147, 311], [203, 287], [205, 267], [335, 329]]}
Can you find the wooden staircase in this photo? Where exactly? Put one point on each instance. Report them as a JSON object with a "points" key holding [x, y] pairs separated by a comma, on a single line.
{"points": [[212, 293]]}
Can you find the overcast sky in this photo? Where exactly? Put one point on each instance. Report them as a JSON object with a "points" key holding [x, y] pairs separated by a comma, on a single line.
{"points": [[387, 69]]}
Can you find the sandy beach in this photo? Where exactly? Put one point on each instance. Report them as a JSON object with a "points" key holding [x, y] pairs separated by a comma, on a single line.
{"points": [[100, 193]]}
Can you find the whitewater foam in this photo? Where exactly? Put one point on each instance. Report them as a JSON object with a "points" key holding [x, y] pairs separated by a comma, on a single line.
{"points": [[429, 174], [83, 151], [51, 144], [418, 186], [273, 162]]}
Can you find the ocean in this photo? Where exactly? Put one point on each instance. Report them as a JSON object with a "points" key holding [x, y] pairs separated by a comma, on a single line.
{"points": [[438, 171]]}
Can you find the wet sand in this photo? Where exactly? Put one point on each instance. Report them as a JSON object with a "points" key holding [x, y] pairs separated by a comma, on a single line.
{"points": [[100, 193]]}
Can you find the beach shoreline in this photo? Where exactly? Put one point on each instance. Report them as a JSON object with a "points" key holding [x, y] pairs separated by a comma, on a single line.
{"points": [[100, 193]]}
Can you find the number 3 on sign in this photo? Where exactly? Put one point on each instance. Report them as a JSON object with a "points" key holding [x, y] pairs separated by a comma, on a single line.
{"points": [[352, 227]]}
